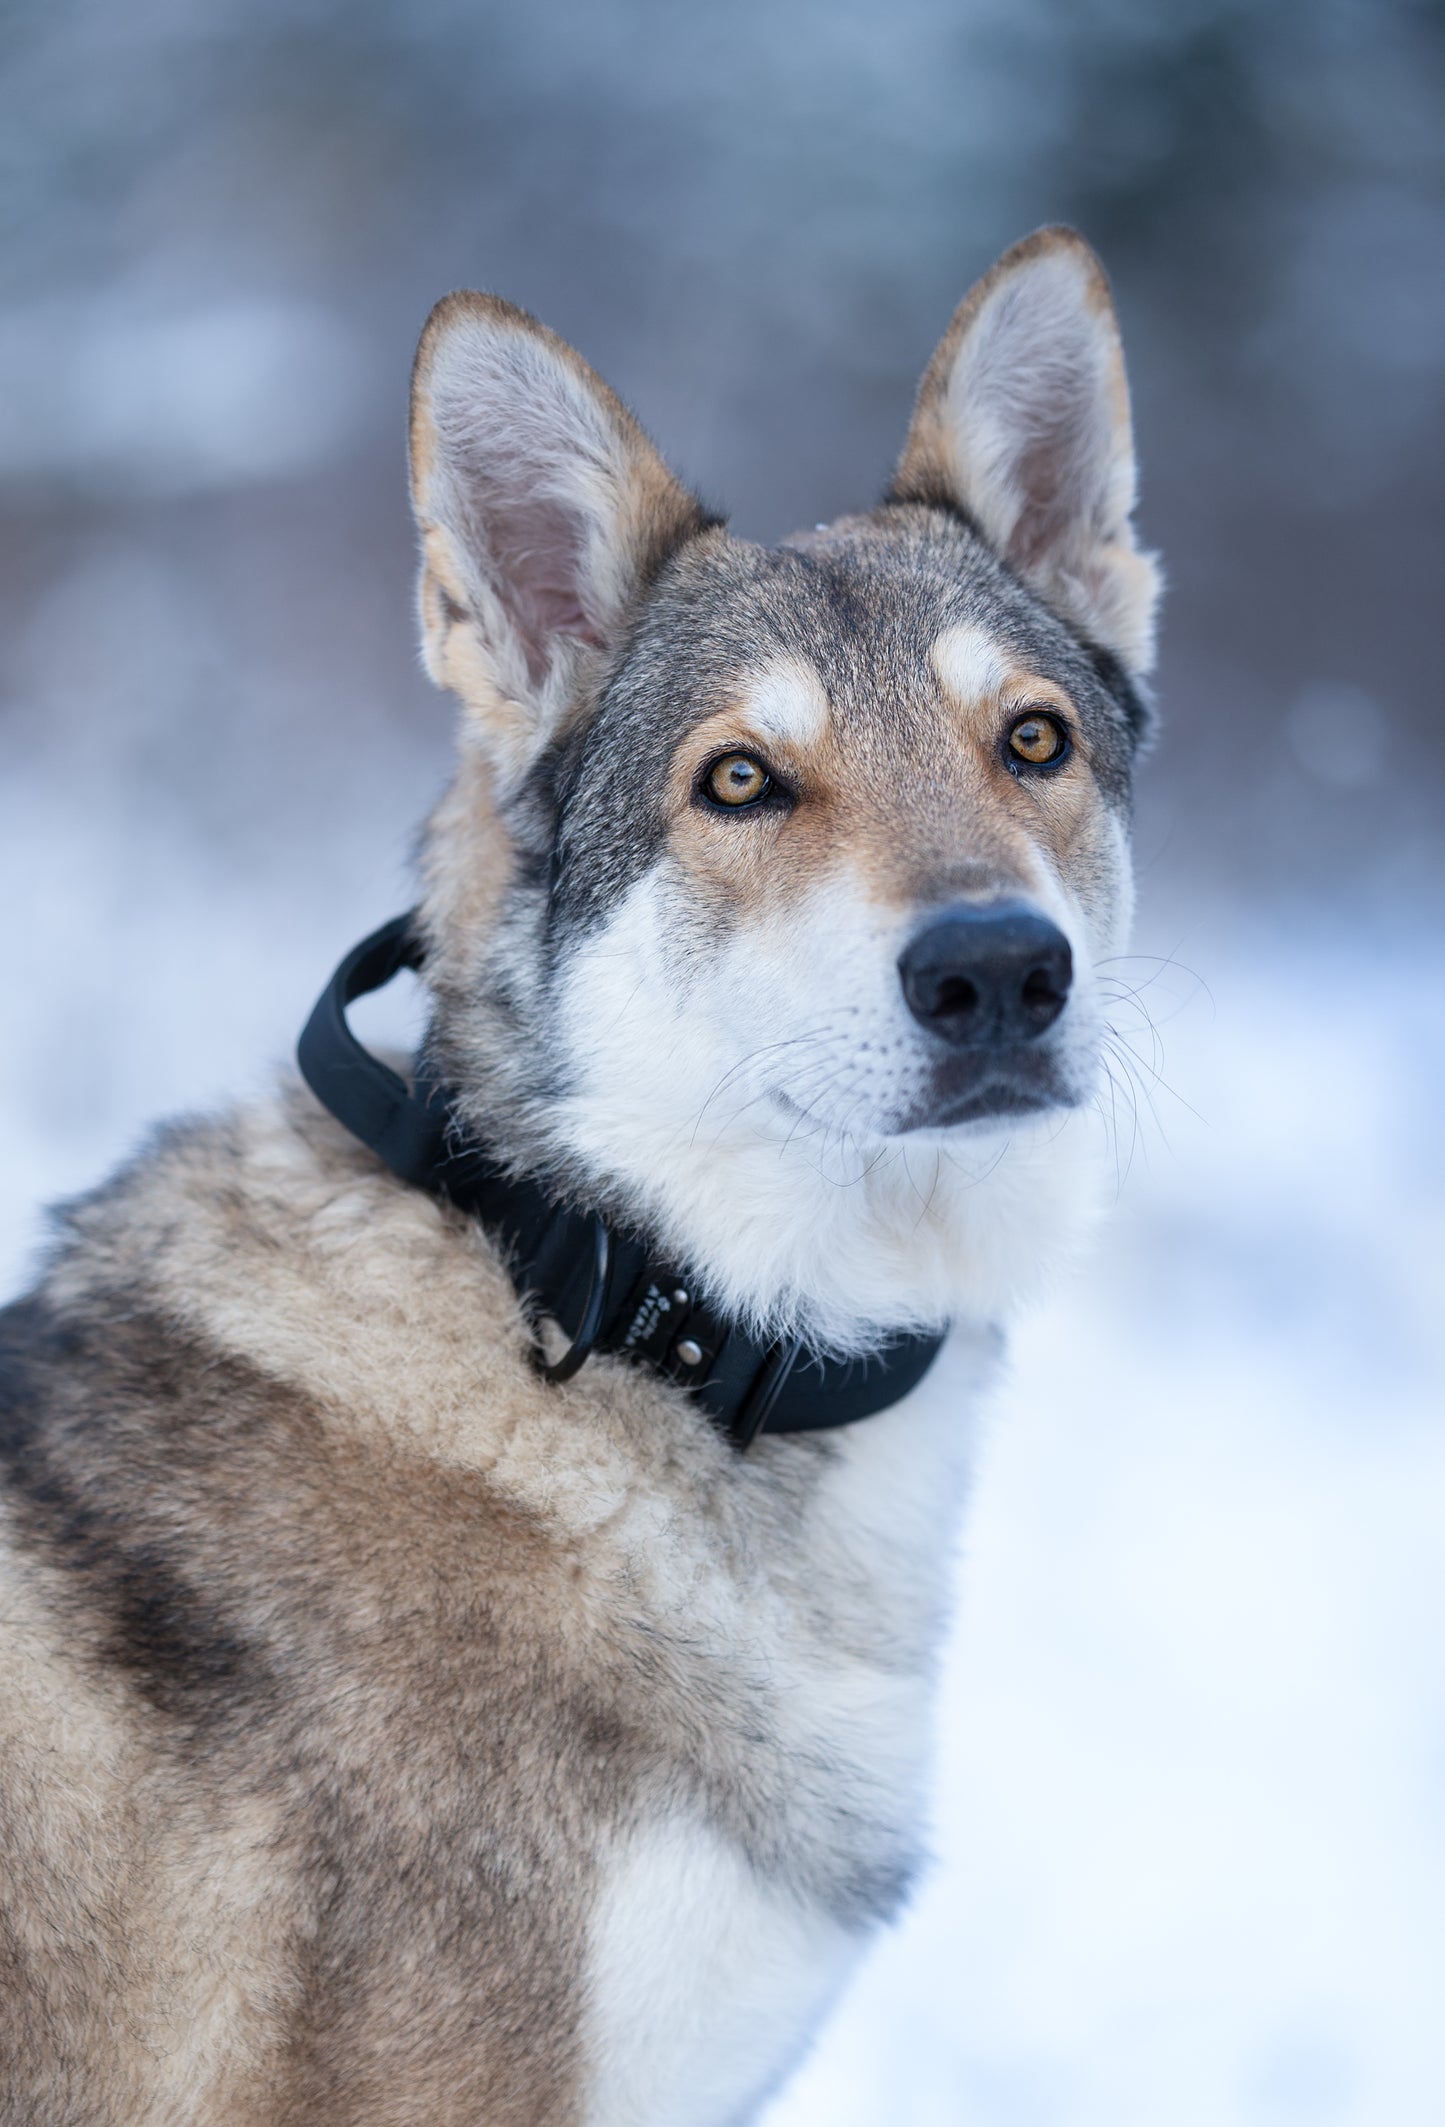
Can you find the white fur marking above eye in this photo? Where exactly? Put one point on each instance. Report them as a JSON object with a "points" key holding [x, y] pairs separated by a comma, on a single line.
{"points": [[787, 702], [970, 663]]}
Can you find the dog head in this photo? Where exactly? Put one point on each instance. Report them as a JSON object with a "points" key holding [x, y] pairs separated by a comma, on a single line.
{"points": [[766, 906]]}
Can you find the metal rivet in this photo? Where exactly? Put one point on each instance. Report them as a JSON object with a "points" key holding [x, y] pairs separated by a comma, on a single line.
{"points": [[681, 1299], [689, 1351]]}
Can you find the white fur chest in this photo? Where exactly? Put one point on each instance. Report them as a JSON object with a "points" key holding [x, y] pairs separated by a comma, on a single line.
{"points": [[709, 1974]]}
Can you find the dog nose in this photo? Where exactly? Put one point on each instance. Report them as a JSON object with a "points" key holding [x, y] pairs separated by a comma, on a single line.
{"points": [[982, 976]]}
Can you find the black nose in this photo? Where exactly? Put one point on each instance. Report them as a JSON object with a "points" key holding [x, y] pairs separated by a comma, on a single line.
{"points": [[982, 976]]}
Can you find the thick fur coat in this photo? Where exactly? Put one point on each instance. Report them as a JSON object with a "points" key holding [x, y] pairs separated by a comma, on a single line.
{"points": [[389, 1736]]}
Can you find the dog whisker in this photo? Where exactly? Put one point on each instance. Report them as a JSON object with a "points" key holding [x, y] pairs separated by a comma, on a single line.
{"points": [[812, 1034], [1120, 1089]]}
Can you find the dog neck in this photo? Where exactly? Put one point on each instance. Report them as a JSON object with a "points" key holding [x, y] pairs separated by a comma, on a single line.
{"points": [[605, 1289], [840, 1241]]}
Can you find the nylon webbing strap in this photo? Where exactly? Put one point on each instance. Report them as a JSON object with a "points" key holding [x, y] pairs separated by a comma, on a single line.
{"points": [[603, 1286]]}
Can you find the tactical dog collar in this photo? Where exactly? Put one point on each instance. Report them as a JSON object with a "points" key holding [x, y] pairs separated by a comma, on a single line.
{"points": [[604, 1287]]}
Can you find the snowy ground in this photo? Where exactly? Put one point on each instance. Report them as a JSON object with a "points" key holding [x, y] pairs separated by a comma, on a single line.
{"points": [[1190, 1820]]}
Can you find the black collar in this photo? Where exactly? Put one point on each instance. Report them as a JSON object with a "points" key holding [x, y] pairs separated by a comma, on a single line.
{"points": [[604, 1287]]}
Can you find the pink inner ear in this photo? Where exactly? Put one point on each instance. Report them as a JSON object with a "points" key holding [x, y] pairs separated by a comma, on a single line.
{"points": [[1054, 473], [535, 545], [1049, 480]]}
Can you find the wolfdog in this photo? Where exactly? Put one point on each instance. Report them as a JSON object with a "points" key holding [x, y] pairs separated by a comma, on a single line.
{"points": [[476, 1533]]}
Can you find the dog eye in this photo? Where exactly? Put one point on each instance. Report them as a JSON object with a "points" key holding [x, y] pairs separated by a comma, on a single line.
{"points": [[1038, 739], [736, 780]]}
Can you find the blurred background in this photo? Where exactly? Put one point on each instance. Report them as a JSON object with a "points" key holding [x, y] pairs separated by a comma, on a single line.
{"points": [[1190, 1819]]}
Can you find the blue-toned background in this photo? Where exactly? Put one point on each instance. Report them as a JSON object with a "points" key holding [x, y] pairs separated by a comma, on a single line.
{"points": [[1191, 1793]]}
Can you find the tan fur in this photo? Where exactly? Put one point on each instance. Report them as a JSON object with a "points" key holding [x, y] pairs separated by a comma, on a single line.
{"points": [[142, 1906], [362, 1693], [466, 864], [897, 833], [429, 1457]]}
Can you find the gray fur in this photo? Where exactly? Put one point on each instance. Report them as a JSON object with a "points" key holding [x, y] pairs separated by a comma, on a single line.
{"points": [[378, 1659], [353, 1677], [863, 601]]}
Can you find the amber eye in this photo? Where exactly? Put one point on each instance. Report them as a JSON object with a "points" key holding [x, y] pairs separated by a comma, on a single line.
{"points": [[737, 779], [1038, 739]]}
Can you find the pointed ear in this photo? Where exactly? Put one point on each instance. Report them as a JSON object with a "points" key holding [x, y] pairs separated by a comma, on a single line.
{"points": [[1023, 422], [543, 511]]}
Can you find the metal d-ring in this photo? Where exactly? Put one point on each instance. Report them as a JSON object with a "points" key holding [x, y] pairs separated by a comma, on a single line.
{"points": [[589, 1329]]}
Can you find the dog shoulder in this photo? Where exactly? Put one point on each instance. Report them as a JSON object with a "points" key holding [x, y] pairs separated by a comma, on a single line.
{"points": [[295, 1513], [269, 1238], [265, 1554]]}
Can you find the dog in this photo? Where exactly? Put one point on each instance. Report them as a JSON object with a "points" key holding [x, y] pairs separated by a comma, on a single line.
{"points": [[474, 1538]]}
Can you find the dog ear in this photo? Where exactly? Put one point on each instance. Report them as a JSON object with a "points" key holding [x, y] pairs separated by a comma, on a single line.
{"points": [[1022, 421], [543, 511]]}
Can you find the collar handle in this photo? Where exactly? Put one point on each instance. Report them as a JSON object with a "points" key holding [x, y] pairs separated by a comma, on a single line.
{"points": [[363, 1093]]}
